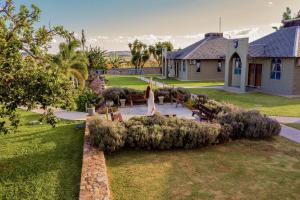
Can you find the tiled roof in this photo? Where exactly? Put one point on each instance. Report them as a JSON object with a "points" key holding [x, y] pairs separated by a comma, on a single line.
{"points": [[282, 43], [213, 47]]}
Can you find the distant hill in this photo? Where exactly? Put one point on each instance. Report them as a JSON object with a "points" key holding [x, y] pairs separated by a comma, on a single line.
{"points": [[123, 54]]}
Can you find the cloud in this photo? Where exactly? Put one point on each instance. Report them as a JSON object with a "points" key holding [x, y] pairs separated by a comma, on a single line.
{"points": [[179, 41]]}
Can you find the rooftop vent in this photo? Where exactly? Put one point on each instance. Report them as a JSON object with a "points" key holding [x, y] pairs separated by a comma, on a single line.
{"points": [[291, 22], [208, 35]]}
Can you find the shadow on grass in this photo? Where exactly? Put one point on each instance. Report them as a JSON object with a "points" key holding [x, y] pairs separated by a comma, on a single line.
{"points": [[51, 157]]}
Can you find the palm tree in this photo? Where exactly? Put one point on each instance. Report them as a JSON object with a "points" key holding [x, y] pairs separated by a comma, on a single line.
{"points": [[140, 53], [116, 61], [73, 62]]}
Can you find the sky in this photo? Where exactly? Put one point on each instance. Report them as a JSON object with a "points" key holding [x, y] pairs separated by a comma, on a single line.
{"points": [[112, 24]]}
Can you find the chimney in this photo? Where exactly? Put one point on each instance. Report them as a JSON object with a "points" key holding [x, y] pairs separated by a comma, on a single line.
{"points": [[291, 22], [209, 35]]}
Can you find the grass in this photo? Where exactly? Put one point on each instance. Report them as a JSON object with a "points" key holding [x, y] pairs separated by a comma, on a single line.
{"points": [[268, 104], [294, 125], [41, 162], [129, 81], [244, 169], [178, 83]]}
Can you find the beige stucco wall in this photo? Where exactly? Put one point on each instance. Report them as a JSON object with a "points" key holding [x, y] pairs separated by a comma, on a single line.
{"points": [[296, 82], [209, 71], [283, 86], [183, 73]]}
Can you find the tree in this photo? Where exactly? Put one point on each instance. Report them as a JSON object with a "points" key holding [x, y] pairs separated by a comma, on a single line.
{"points": [[28, 76], [97, 58], [287, 15], [140, 54], [298, 14], [157, 50], [73, 63], [116, 61]]}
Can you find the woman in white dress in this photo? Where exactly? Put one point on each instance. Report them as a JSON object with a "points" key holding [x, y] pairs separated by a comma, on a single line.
{"points": [[151, 104]]}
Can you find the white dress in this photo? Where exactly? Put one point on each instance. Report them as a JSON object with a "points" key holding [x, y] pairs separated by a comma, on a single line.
{"points": [[151, 104]]}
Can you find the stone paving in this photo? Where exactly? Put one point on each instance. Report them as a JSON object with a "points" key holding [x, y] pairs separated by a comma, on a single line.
{"points": [[166, 109]]}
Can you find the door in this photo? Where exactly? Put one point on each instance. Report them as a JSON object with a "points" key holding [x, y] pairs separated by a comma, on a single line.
{"points": [[258, 72], [254, 75], [251, 75]]}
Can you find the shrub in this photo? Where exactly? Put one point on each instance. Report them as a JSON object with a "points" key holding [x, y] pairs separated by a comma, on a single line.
{"points": [[249, 124], [109, 137], [114, 94], [185, 92], [86, 98]]}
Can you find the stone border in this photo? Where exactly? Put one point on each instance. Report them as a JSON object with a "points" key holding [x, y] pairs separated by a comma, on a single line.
{"points": [[94, 179]]}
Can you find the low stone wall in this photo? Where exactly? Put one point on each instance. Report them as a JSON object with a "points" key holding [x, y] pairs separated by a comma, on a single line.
{"points": [[94, 179], [127, 71]]}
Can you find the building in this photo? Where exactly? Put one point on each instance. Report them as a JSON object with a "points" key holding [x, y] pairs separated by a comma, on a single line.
{"points": [[201, 61], [270, 64]]}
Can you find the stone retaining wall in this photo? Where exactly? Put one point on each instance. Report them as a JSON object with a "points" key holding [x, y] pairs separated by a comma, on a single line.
{"points": [[94, 179], [127, 71]]}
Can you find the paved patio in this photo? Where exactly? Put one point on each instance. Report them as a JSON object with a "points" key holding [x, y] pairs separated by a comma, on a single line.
{"points": [[166, 109]]}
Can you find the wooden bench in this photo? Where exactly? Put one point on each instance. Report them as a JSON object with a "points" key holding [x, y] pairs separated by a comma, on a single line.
{"points": [[137, 98], [204, 113], [179, 99]]}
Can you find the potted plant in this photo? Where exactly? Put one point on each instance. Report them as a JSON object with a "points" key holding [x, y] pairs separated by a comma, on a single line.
{"points": [[161, 100], [90, 109], [122, 101]]}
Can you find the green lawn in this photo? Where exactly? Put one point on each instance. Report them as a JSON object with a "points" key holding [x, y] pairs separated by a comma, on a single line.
{"points": [[296, 126], [41, 162], [239, 170], [178, 83], [129, 81], [268, 104]]}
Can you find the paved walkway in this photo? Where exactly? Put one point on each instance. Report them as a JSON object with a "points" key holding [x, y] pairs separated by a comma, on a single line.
{"points": [[156, 83], [287, 120], [63, 114], [159, 84], [290, 133]]}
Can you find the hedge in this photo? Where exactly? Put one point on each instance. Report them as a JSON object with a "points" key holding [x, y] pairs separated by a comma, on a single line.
{"points": [[162, 133]]}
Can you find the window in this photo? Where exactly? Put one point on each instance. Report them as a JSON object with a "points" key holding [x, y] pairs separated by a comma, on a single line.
{"points": [[237, 66], [198, 66], [183, 66], [276, 69], [219, 68]]}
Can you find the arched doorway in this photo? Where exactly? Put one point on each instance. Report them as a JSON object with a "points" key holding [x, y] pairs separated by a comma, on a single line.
{"points": [[235, 70]]}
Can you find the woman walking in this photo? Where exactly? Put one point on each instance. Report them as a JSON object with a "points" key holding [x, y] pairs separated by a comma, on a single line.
{"points": [[150, 97]]}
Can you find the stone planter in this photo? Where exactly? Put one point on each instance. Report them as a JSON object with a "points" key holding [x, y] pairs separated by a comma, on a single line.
{"points": [[91, 111], [161, 100], [122, 101]]}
